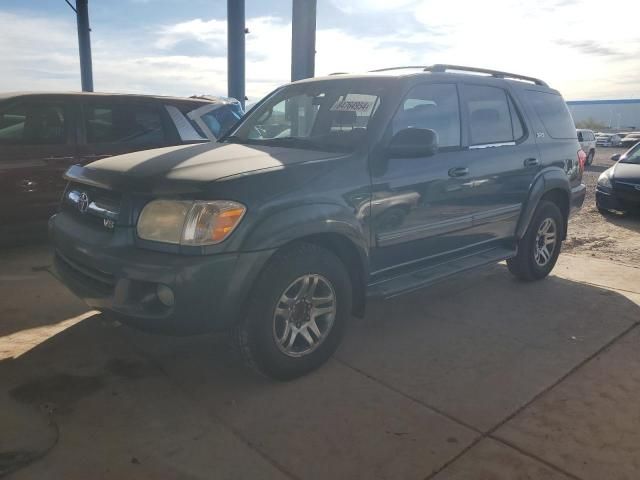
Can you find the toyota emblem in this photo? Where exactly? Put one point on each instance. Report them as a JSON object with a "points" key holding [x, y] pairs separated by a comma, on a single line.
{"points": [[83, 202]]}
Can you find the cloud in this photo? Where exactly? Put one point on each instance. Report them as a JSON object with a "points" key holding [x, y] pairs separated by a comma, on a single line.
{"points": [[368, 6], [589, 47], [558, 40]]}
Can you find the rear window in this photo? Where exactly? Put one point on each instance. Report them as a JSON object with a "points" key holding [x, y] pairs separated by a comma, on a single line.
{"points": [[553, 113], [220, 120]]}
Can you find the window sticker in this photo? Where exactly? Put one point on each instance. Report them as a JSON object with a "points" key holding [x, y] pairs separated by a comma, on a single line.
{"points": [[361, 104]]}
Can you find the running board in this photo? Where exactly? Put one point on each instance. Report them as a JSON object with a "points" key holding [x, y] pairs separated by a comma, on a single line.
{"points": [[417, 279]]}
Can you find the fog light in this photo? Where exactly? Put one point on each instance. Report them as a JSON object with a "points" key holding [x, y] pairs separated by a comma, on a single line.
{"points": [[165, 295]]}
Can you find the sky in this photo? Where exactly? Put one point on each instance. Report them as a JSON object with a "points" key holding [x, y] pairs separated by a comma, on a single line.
{"points": [[587, 49]]}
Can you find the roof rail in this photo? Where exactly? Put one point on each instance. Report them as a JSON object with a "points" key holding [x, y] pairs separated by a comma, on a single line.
{"points": [[423, 67], [494, 73]]}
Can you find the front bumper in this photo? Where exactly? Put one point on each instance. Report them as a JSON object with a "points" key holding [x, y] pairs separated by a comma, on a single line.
{"points": [[607, 199], [110, 274]]}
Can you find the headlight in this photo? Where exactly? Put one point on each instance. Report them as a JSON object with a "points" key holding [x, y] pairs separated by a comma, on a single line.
{"points": [[604, 180], [189, 222]]}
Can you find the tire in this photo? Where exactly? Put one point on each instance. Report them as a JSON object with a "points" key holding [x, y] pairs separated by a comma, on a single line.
{"points": [[526, 264], [257, 335], [590, 157]]}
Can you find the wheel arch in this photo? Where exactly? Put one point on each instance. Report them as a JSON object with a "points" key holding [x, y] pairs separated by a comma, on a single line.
{"points": [[330, 226], [352, 258], [552, 185]]}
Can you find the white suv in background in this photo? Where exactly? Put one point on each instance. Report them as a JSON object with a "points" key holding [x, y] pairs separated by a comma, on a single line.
{"points": [[587, 141]]}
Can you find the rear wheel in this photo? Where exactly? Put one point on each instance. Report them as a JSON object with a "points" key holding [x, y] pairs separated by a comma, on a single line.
{"points": [[538, 250], [590, 157], [298, 311]]}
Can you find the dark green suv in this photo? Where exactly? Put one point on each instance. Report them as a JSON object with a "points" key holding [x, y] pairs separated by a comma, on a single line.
{"points": [[331, 190]]}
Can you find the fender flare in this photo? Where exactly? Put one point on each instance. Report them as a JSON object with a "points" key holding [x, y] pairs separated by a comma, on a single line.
{"points": [[544, 182], [296, 222]]}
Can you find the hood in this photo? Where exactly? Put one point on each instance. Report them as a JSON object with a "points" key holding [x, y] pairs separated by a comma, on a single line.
{"points": [[626, 172], [183, 167]]}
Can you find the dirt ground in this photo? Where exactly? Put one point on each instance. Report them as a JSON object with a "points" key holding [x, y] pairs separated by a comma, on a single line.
{"points": [[613, 237]]}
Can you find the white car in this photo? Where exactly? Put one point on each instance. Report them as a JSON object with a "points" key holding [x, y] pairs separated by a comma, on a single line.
{"points": [[587, 141], [608, 140]]}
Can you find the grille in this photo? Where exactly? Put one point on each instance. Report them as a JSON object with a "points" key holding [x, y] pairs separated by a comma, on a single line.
{"points": [[92, 205]]}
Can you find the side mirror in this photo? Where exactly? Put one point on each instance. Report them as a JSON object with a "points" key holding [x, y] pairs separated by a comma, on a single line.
{"points": [[413, 142], [615, 157]]}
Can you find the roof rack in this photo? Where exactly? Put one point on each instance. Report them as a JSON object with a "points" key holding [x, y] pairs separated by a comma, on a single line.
{"points": [[413, 67], [441, 68], [493, 73]]}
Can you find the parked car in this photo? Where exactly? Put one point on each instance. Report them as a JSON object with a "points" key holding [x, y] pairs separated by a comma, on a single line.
{"points": [[267, 232], [630, 140], [608, 140], [618, 187], [43, 134], [587, 141]]}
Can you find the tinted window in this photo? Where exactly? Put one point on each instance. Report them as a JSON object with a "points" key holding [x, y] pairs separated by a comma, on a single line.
{"points": [[433, 106], [489, 115], [553, 113], [133, 124], [34, 124]]}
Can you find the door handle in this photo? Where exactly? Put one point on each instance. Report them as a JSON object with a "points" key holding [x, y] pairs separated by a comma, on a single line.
{"points": [[531, 162], [458, 172]]}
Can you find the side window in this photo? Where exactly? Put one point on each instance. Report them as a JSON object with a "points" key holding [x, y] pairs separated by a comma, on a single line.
{"points": [[33, 124], [131, 124], [553, 113], [433, 106], [489, 115], [581, 137]]}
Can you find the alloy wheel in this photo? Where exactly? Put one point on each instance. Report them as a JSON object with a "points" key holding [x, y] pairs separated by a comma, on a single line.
{"points": [[304, 315], [546, 242]]}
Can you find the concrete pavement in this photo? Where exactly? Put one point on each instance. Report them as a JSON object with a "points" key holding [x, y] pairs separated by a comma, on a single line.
{"points": [[479, 377]]}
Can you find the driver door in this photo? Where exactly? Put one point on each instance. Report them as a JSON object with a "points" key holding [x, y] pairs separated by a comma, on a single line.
{"points": [[420, 206]]}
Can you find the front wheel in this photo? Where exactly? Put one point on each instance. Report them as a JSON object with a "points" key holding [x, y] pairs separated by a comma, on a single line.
{"points": [[538, 250], [298, 312]]}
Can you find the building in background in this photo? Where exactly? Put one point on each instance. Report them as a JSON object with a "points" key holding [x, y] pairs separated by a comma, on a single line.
{"points": [[614, 115]]}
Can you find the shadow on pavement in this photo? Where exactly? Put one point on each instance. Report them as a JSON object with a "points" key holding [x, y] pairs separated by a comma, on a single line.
{"points": [[416, 382]]}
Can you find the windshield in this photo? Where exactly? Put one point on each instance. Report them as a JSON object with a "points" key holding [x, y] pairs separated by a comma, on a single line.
{"points": [[331, 116], [632, 156]]}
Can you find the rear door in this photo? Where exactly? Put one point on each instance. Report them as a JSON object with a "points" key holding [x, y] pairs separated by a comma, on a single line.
{"points": [[113, 126], [37, 145], [503, 159]]}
